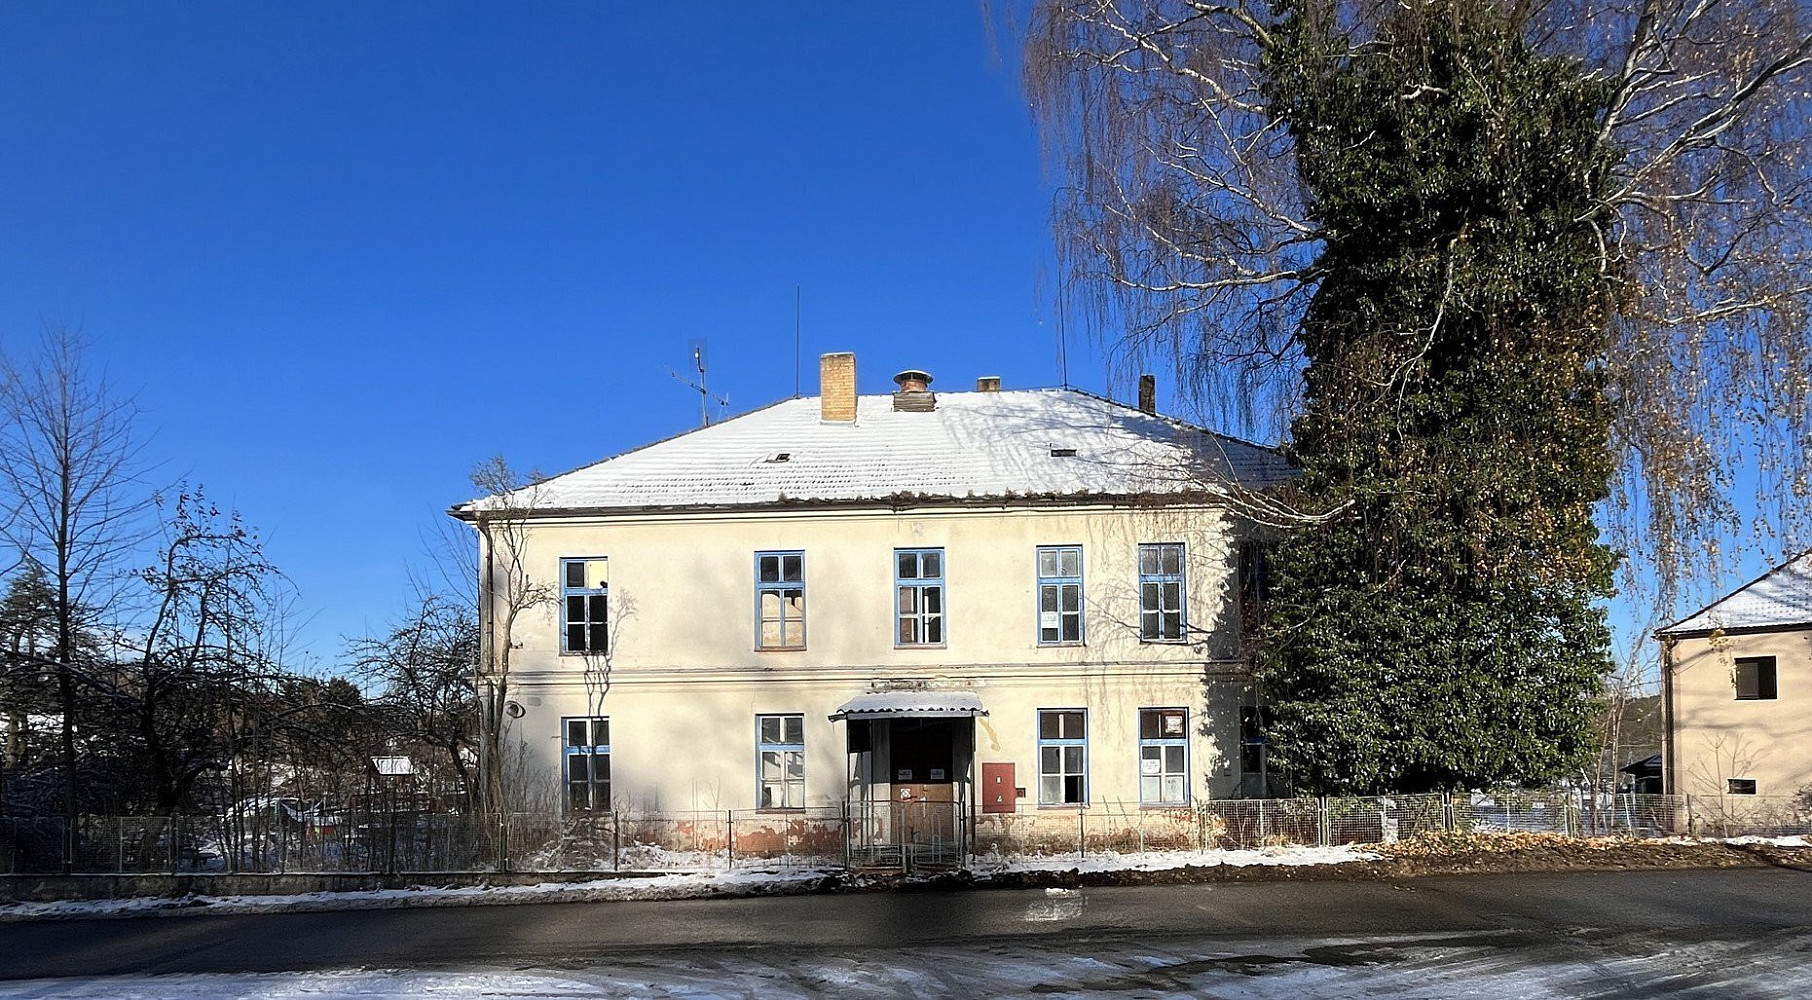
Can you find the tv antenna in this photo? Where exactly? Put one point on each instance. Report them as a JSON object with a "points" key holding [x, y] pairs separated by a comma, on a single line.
{"points": [[705, 398]]}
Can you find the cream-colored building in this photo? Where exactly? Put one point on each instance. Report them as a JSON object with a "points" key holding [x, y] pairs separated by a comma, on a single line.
{"points": [[1736, 690], [1010, 600]]}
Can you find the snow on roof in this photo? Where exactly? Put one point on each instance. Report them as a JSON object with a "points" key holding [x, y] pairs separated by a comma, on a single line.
{"points": [[1036, 442], [1780, 597], [910, 705], [392, 767]]}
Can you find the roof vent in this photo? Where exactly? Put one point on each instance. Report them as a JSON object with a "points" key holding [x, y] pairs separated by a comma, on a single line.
{"points": [[1148, 394], [1063, 452], [988, 383], [914, 394], [779, 456]]}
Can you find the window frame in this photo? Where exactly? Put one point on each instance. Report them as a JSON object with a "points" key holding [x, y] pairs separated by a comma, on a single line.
{"points": [[781, 585], [1041, 582], [1731, 789], [1160, 578], [593, 749], [1164, 741], [783, 747], [1040, 742], [1765, 667], [586, 592], [921, 584]]}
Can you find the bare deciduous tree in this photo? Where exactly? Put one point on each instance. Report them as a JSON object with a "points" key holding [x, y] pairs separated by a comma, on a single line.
{"points": [[1183, 231], [69, 469]]}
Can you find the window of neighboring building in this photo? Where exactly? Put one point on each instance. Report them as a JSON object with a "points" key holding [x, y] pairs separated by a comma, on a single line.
{"points": [[587, 746], [919, 597], [1059, 594], [1161, 592], [780, 600], [1163, 756], [1740, 786], [1755, 678], [780, 761], [585, 605], [1062, 756]]}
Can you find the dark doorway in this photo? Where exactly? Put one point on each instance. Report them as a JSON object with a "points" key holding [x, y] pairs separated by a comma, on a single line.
{"points": [[923, 752]]}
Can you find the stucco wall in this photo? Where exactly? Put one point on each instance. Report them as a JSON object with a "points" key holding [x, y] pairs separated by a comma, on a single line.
{"points": [[1717, 737], [685, 680]]}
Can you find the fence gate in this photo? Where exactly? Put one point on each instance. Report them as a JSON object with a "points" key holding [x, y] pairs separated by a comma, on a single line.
{"points": [[907, 836]]}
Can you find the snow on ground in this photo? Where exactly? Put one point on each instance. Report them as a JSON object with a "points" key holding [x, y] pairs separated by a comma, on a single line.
{"points": [[693, 885], [1415, 967], [1167, 860], [1769, 841]]}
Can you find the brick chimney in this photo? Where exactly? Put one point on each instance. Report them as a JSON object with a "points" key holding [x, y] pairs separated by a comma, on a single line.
{"points": [[988, 383], [1148, 394], [837, 388], [914, 394]]}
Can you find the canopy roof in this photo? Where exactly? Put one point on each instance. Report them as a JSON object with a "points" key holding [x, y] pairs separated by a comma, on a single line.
{"points": [[911, 705]]}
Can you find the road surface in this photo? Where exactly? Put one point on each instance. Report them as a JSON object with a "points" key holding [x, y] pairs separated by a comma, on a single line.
{"points": [[1729, 933]]}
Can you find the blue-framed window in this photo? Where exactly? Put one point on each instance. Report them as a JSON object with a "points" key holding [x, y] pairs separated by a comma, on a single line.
{"points": [[1164, 756], [1059, 594], [780, 761], [586, 742], [918, 583], [584, 605], [1161, 593], [780, 600], [1062, 756]]}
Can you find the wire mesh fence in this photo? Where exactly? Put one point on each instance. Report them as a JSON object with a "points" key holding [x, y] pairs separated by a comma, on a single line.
{"points": [[910, 836]]}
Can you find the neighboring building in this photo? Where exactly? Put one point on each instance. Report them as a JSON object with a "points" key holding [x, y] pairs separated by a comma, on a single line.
{"points": [[1736, 689], [949, 597]]}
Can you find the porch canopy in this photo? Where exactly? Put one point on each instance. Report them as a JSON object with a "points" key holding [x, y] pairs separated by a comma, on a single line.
{"points": [[911, 705]]}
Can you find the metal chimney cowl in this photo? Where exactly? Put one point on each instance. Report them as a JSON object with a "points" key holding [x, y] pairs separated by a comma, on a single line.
{"points": [[914, 394]]}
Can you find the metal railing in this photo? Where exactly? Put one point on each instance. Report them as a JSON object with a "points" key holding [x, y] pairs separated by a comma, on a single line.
{"points": [[857, 835]]}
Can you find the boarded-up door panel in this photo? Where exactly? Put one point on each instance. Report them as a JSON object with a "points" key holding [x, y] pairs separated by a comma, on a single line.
{"points": [[997, 793]]}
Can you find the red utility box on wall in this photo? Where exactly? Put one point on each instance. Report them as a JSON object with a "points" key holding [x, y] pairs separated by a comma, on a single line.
{"points": [[998, 794]]}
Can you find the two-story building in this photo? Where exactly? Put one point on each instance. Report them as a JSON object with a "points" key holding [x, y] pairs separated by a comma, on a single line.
{"points": [[1004, 599], [1734, 679]]}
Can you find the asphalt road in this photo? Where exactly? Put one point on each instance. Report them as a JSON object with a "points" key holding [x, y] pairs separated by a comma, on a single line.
{"points": [[1759, 912]]}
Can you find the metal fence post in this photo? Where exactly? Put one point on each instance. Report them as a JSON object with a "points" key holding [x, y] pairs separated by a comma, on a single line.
{"points": [[1081, 831], [1322, 821], [1261, 823], [729, 838]]}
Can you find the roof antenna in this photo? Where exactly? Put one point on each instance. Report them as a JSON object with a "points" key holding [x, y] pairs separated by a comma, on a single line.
{"points": [[798, 303], [1063, 354], [705, 398]]}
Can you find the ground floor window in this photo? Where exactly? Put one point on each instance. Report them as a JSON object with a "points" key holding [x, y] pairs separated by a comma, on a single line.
{"points": [[1740, 786], [587, 745], [1062, 756], [1163, 756], [780, 761]]}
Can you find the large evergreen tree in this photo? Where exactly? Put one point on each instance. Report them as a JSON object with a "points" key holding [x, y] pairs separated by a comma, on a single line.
{"points": [[1446, 629]]}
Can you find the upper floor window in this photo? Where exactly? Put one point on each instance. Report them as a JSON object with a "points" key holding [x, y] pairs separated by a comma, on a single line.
{"points": [[780, 600], [919, 597], [584, 605], [1059, 594], [1161, 591], [780, 761], [1756, 679], [586, 742]]}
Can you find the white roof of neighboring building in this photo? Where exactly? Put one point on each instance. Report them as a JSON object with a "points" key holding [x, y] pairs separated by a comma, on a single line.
{"points": [[911, 705], [1012, 443], [1780, 597], [391, 767]]}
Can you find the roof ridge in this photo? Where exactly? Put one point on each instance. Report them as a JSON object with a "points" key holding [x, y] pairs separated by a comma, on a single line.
{"points": [[1178, 421]]}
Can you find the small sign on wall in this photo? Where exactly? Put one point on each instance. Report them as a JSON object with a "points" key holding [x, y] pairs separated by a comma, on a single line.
{"points": [[903, 774], [937, 774]]}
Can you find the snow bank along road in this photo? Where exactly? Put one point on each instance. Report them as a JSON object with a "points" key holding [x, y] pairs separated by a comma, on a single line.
{"points": [[1743, 933]]}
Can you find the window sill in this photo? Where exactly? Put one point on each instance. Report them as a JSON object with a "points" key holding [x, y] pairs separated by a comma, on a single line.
{"points": [[1061, 645], [583, 653], [779, 649], [1063, 806], [1159, 806], [1163, 642], [779, 810], [921, 645]]}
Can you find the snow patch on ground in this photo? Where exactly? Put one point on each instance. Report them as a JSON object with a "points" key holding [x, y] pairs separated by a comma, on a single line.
{"points": [[1170, 860], [694, 885], [1768, 841]]}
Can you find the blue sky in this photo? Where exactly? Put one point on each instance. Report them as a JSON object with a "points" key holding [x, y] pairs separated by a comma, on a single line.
{"points": [[344, 251]]}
